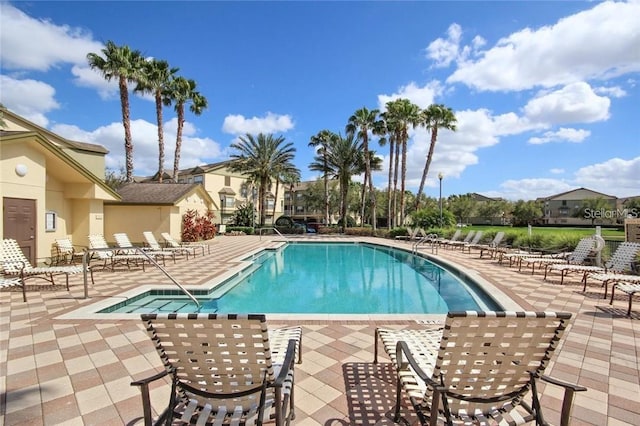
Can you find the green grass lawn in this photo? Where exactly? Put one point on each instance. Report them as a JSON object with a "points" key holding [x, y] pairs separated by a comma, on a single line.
{"points": [[607, 233]]}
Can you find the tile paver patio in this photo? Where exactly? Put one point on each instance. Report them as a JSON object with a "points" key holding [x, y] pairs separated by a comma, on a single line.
{"points": [[77, 370]]}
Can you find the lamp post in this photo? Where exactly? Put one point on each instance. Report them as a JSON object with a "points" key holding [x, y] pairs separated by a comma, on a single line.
{"points": [[440, 176]]}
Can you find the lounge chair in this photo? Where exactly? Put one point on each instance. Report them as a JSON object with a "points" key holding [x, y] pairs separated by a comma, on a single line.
{"points": [[124, 243], [224, 369], [613, 278], [489, 247], [457, 243], [66, 253], [474, 241], [155, 245], [172, 242], [111, 258], [6, 281], [587, 247], [479, 367], [629, 288], [15, 264], [620, 262], [454, 237]]}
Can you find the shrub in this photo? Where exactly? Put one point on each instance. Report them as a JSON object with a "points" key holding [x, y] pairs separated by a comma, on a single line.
{"points": [[196, 227], [360, 231]]}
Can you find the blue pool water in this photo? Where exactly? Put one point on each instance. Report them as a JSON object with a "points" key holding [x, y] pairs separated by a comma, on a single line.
{"points": [[333, 278]]}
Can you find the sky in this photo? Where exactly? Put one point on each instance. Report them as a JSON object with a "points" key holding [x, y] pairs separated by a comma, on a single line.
{"points": [[546, 94]]}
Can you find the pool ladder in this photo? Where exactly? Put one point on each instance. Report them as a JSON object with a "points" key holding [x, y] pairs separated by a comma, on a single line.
{"points": [[429, 238], [85, 269]]}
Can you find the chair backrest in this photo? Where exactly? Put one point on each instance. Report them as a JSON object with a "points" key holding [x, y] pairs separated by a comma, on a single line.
{"points": [[623, 256], [151, 240], [64, 245], [456, 235], [170, 240], [476, 238], [488, 355], [497, 239], [97, 241], [214, 353], [13, 258], [583, 249], [469, 236]]}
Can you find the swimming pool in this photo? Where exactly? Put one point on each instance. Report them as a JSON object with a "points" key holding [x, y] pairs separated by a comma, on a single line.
{"points": [[333, 278]]}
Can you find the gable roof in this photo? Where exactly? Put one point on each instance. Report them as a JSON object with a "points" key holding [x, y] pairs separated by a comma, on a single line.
{"points": [[159, 193], [561, 195]]}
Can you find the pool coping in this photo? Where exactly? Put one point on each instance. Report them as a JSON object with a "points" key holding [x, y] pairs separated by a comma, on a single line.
{"points": [[92, 309]]}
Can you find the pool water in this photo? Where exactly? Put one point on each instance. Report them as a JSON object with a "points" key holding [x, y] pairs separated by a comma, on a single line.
{"points": [[331, 278]]}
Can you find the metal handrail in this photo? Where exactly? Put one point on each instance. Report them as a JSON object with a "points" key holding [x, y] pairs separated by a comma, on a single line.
{"points": [[426, 238], [271, 228], [85, 269]]}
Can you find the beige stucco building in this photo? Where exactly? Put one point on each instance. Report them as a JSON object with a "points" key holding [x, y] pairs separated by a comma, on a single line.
{"points": [[51, 187]]}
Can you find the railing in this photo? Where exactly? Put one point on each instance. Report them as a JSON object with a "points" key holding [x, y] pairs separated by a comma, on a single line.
{"points": [[429, 238], [85, 269], [272, 228]]}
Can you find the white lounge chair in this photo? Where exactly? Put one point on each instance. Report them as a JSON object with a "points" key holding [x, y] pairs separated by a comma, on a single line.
{"points": [[155, 245], [586, 247], [15, 264], [124, 243], [111, 258], [172, 242], [626, 287]]}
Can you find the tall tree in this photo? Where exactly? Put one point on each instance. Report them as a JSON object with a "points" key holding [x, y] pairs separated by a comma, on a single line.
{"points": [[404, 114], [363, 121], [182, 91], [320, 142], [262, 157], [125, 65], [344, 159], [435, 117], [288, 175], [155, 79]]}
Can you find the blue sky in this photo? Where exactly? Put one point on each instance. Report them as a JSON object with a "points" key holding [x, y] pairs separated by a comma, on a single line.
{"points": [[546, 93]]}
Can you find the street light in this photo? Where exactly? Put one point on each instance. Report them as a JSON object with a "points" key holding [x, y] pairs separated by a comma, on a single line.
{"points": [[440, 176]]}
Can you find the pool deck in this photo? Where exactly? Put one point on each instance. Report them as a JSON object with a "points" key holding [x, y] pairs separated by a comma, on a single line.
{"points": [[61, 365]]}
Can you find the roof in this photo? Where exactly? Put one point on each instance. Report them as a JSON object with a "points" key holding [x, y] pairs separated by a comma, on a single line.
{"points": [[157, 193], [564, 194]]}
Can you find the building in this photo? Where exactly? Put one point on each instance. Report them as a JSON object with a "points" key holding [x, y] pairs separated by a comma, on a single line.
{"points": [[566, 208], [51, 187], [155, 207]]}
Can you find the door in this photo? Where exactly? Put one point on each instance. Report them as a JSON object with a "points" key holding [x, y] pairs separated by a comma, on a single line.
{"points": [[20, 224]]}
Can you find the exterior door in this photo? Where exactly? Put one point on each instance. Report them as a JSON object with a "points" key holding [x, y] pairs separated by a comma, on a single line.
{"points": [[20, 224]]}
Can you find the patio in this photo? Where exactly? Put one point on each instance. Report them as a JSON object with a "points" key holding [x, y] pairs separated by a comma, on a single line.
{"points": [[78, 371]]}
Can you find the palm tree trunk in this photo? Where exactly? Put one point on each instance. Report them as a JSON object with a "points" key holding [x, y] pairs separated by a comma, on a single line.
{"points": [[176, 157], [395, 182], [126, 122], [389, 204], [403, 176], [273, 212], [160, 136], [326, 191], [432, 145]]}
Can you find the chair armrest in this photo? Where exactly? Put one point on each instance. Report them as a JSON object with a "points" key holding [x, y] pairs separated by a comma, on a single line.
{"points": [[287, 365], [147, 380], [402, 348], [567, 402]]}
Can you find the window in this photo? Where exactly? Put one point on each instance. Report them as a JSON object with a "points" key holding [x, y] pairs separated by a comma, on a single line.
{"points": [[227, 181], [50, 221], [229, 202], [198, 179]]}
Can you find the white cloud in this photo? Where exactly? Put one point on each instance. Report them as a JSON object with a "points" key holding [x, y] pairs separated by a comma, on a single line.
{"points": [[32, 44], [614, 92], [530, 189], [421, 96], [271, 123], [594, 44], [86, 77], [562, 135], [445, 51], [615, 175], [194, 150], [574, 103], [557, 171], [40, 99]]}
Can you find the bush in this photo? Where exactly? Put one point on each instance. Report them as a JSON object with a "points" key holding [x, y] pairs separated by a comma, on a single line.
{"points": [[196, 227], [360, 231], [240, 230]]}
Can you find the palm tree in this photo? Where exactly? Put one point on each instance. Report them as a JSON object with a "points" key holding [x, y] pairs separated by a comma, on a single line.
{"points": [[262, 158], [321, 141], [289, 176], [344, 159], [123, 64], [363, 121], [182, 91], [404, 114], [155, 79], [435, 117]]}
